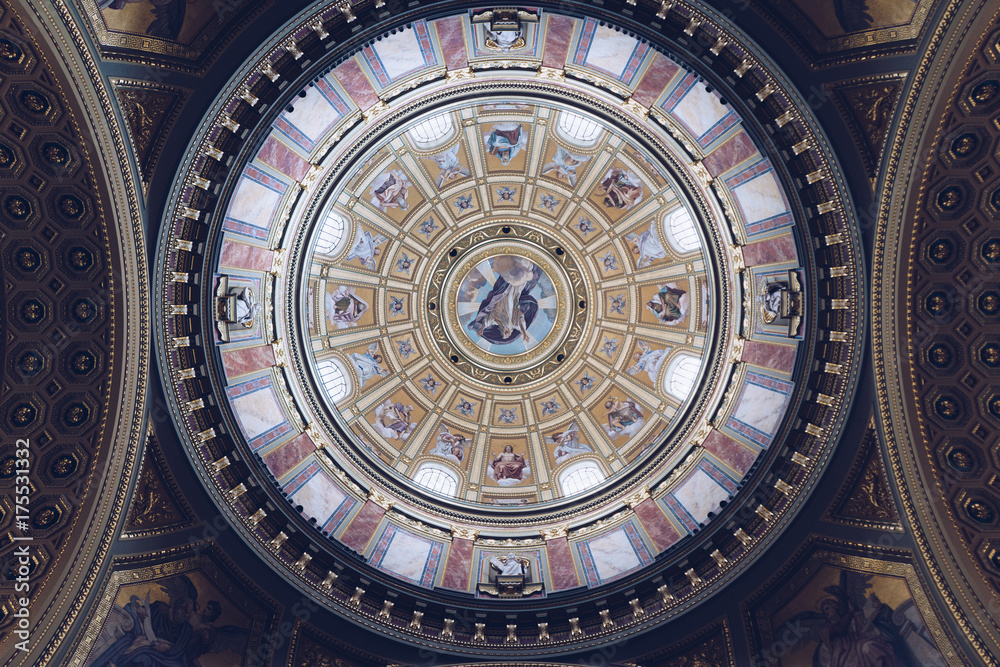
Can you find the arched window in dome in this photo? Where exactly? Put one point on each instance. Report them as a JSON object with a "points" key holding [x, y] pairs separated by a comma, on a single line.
{"points": [[334, 379], [432, 131], [579, 477], [681, 374], [437, 478], [681, 233], [581, 130], [331, 233]]}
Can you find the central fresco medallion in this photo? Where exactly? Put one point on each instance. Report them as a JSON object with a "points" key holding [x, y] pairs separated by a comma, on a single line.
{"points": [[511, 302]]}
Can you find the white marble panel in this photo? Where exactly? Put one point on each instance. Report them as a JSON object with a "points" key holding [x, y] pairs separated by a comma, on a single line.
{"points": [[312, 114], [700, 494], [319, 497], [760, 407], [760, 197], [699, 109], [258, 411], [610, 50], [399, 53], [613, 554], [406, 556], [254, 203]]}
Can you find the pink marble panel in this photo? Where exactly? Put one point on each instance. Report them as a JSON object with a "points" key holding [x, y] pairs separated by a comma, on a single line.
{"points": [[737, 149], [282, 158], [459, 566], [247, 360], [736, 455], [289, 455], [243, 256], [360, 531], [356, 84], [561, 565], [769, 251], [656, 78], [557, 39], [452, 39], [655, 523], [769, 355]]}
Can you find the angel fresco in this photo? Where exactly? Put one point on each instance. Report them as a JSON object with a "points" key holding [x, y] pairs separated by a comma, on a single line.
{"points": [[621, 189], [393, 420], [166, 634], [647, 246], [449, 165], [344, 307], [508, 468], [564, 165], [670, 305], [389, 190], [366, 249], [449, 445], [369, 364], [647, 360], [854, 627], [625, 417], [505, 141], [568, 443]]}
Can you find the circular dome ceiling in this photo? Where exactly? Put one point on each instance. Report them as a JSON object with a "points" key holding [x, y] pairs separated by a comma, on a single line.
{"points": [[508, 302], [510, 282]]}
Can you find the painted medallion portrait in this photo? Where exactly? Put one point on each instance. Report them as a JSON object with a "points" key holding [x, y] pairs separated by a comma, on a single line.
{"points": [[507, 304]]}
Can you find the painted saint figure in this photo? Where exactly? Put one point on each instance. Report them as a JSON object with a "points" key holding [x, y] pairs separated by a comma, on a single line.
{"points": [[508, 468], [621, 189], [670, 305], [509, 308], [625, 417], [449, 445], [344, 308], [366, 249], [506, 141], [389, 190], [393, 420], [647, 246], [647, 360]]}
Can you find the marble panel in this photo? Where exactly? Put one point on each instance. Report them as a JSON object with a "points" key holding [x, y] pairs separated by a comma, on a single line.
{"points": [[699, 494], [561, 567], [360, 531], [558, 35], [287, 456], [760, 197], [760, 408], [738, 148], [656, 525], [659, 74], [258, 412], [245, 256], [457, 571], [770, 251], [700, 110], [400, 53], [451, 36], [610, 51], [312, 114], [613, 554], [247, 360], [254, 203], [735, 454], [353, 79], [320, 497], [769, 355], [282, 158], [406, 555]]}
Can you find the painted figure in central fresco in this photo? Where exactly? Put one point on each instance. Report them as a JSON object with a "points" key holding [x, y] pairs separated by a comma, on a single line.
{"points": [[509, 309]]}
